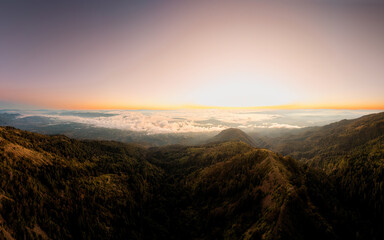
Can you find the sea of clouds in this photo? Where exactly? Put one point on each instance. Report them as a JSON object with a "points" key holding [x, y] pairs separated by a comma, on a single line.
{"points": [[183, 121]]}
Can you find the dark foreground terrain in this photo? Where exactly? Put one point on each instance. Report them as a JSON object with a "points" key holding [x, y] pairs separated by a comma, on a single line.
{"points": [[54, 187]]}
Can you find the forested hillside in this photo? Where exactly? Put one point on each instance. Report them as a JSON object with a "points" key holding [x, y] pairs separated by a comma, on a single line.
{"points": [[63, 188], [328, 145], [351, 152], [54, 187]]}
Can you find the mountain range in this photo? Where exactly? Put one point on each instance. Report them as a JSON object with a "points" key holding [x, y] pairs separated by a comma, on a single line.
{"points": [[321, 183]]}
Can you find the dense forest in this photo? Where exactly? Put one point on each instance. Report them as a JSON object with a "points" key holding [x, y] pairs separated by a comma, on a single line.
{"points": [[55, 187]]}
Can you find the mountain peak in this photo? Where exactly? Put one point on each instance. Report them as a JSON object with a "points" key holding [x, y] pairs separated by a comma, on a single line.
{"points": [[232, 134]]}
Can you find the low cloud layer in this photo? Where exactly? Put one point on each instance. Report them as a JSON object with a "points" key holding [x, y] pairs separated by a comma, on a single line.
{"points": [[154, 122]]}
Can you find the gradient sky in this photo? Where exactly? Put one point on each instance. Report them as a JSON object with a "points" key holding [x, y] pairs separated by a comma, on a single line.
{"points": [[170, 54]]}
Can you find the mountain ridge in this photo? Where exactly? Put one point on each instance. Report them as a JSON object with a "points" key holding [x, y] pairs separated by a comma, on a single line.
{"points": [[58, 187], [89, 176], [330, 141]]}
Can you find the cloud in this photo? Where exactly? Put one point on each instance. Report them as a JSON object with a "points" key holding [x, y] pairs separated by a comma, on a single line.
{"points": [[279, 125], [183, 121], [138, 121], [159, 121]]}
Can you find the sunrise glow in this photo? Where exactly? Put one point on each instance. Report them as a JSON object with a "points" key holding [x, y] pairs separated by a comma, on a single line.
{"points": [[195, 55]]}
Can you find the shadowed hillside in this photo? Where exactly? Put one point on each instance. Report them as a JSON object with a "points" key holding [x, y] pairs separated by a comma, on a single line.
{"points": [[59, 188], [352, 154], [330, 144]]}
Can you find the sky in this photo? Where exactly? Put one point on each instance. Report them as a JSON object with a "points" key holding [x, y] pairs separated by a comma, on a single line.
{"points": [[192, 54]]}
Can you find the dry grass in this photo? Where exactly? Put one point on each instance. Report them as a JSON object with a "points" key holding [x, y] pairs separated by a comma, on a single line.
{"points": [[20, 152]]}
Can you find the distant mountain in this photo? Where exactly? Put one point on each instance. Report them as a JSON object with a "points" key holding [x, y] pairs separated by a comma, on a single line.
{"points": [[60, 188], [232, 134]]}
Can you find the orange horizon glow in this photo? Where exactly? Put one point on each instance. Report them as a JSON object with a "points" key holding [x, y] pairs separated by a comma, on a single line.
{"points": [[195, 55], [202, 107]]}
